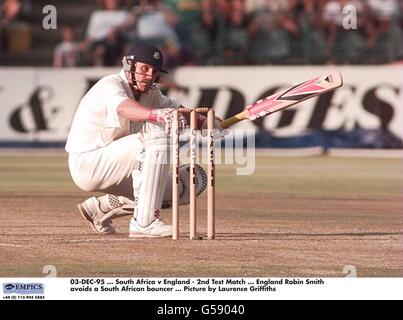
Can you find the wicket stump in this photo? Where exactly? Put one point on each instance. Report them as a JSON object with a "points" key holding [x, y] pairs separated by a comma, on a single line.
{"points": [[193, 181]]}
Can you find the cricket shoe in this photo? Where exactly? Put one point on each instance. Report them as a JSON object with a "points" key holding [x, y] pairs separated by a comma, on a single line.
{"points": [[100, 211], [157, 229]]}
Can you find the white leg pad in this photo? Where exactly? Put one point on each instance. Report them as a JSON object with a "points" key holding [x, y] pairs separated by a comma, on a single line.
{"points": [[154, 178]]}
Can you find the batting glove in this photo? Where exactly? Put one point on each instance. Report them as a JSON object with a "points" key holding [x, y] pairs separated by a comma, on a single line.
{"points": [[165, 117]]}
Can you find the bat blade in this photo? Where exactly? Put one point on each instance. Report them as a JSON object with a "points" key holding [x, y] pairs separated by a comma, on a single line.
{"points": [[287, 98]]}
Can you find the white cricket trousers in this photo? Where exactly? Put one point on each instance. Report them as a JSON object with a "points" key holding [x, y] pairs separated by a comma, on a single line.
{"points": [[110, 169]]}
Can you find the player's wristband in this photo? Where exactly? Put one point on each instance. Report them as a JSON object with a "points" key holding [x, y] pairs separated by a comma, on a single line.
{"points": [[155, 116]]}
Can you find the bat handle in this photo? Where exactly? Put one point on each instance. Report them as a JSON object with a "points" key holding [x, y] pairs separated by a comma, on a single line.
{"points": [[232, 120]]}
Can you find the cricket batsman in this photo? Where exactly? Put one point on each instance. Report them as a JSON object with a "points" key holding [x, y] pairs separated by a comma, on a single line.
{"points": [[118, 145]]}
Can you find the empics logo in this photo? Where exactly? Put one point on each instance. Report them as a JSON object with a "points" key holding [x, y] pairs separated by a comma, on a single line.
{"points": [[23, 288], [9, 287]]}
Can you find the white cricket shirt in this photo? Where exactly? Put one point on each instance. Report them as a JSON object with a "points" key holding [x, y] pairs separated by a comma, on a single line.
{"points": [[96, 122]]}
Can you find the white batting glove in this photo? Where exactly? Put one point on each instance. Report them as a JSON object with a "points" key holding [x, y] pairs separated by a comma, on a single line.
{"points": [[165, 117]]}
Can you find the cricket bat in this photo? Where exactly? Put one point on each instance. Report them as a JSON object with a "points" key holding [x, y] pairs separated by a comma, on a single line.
{"points": [[287, 98]]}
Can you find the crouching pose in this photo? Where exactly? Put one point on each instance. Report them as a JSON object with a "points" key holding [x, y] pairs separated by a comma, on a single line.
{"points": [[118, 145]]}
